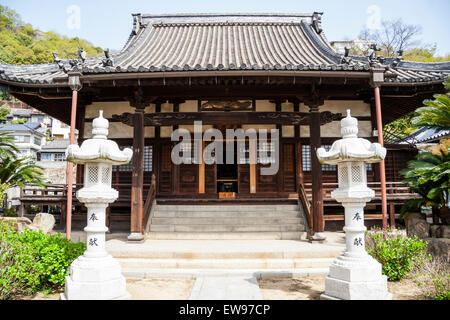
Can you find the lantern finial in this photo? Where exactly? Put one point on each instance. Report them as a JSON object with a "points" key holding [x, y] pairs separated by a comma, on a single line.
{"points": [[349, 126]]}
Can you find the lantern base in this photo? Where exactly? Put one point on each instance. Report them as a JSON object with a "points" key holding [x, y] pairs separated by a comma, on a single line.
{"points": [[95, 279], [356, 279]]}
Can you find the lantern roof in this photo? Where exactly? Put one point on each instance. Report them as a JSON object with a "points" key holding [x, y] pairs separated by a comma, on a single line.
{"points": [[99, 148], [350, 147]]}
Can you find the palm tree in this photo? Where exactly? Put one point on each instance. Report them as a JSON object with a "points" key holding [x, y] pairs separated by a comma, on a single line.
{"points": [[435, 113], [429, 176], [20, 172], [7, 146]]}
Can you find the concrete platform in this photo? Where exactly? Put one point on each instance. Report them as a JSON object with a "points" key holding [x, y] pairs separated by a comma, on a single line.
{"points": [[226, 288]]}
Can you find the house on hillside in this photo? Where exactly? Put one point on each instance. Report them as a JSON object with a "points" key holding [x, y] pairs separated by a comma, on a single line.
{"points": [[232, 71], [29, 137]]}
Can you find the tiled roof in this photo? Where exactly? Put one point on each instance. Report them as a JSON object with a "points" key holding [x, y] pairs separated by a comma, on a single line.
{"points": [[57, 144], [425, 135], [28, 126], [223, 42]]}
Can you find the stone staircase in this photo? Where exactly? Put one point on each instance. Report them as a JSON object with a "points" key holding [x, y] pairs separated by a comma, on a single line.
{"points": [[227, 222], [200, 258]]}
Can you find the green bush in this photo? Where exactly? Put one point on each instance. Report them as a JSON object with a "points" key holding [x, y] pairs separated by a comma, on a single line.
{"points": [[32, 262], [398, 255], [11, 213]]}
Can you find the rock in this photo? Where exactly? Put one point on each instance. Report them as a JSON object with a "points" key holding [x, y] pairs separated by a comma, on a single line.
{"points": [[435, 231], [440, 231], [45, 222], [418, 227], [445, 232], [439, 248], [412, 215], [32, 227], [19, 219]]}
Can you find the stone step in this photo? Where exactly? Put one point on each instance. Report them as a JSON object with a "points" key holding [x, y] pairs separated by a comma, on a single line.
{"points": [[227, 208], [226, 228], [196, 273], [226, 221], [225, 214], [226, 249], [230, 264], [226, 235]]}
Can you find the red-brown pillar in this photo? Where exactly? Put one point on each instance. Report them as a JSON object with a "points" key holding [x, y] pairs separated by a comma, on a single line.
{"points": [[137, 199], [384, 206], [316, 173], [75, 86]]}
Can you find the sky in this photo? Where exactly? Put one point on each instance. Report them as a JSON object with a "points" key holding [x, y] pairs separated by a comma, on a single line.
{"points": [[108, 24]]}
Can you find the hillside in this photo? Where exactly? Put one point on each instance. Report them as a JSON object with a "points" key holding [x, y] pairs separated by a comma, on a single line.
{"points": [[20, 43]]}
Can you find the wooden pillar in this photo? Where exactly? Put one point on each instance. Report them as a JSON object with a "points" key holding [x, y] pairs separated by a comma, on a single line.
{"points": [[201, 169], [298, 150], [253, 158], [137, 200], [382, 163], [316, 172], [75, 86], [392, 215]]}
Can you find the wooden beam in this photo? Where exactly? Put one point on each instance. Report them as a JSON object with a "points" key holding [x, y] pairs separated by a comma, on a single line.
{"points": [[231, 118]]}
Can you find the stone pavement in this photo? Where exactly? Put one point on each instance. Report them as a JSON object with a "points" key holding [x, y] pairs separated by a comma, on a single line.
{"points": [[226, 288]]}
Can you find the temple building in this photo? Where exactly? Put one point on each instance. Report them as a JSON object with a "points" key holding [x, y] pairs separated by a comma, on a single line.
{"points": [[232, 71]]}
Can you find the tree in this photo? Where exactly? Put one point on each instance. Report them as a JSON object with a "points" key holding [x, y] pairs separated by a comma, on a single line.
{"points": [[393, 36], [429, 177], [424, 55], [429, 174], [435, 113], [20, 172], [20, 43]]}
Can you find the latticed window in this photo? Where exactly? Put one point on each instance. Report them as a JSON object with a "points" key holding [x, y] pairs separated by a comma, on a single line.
{"points": [[106, 176], [306, 152], [148, 160], [92, 174], [266, 153]]}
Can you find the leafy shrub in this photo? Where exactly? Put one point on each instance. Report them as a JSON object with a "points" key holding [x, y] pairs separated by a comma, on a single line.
{"points": [[433, 276], [398, 255], [32, 261], [11, 213]]}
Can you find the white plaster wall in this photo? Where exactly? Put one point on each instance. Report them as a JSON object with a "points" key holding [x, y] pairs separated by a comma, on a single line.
{"points": [[359, 108], [265, 105], [333, 130], [288, 131], [118, 130], [189, 106], [258, 127]]}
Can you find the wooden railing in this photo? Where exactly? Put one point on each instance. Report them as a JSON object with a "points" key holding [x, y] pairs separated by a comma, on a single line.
{"points": [[151, 196], [307, 208], [395, 191]]}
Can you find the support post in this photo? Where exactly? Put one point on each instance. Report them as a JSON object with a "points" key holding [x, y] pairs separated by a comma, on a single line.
{"points": [[137, 189], [75, 86], [316, 172], [382, 163]]}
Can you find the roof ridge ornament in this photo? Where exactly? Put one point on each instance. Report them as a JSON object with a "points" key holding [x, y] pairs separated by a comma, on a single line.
{"points": [[108, 61], [317, 22]]}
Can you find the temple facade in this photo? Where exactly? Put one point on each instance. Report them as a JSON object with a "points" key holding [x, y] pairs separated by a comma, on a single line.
{"points": [[263, 72]]}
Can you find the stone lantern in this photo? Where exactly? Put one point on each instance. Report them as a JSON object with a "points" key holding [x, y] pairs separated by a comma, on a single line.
{"points": [[96, 275], [355, 275]]}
